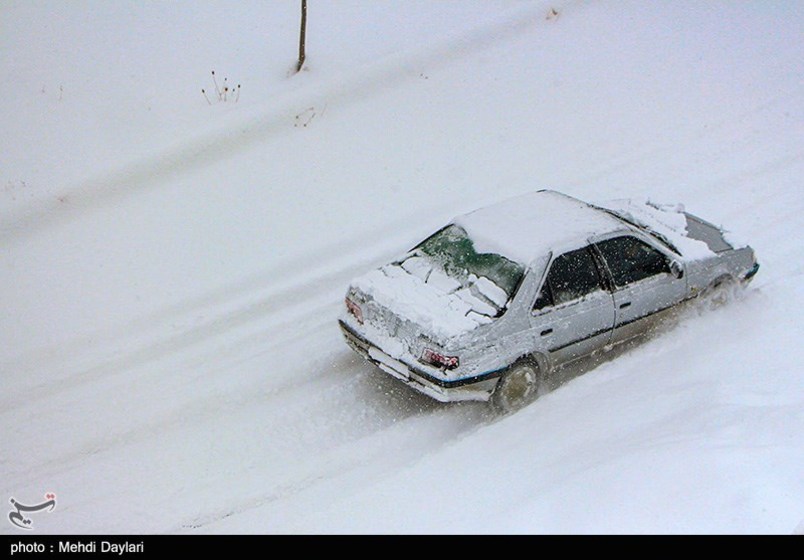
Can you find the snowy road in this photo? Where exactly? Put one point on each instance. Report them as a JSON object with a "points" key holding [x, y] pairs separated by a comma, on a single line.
{"points": [[172, 271]]}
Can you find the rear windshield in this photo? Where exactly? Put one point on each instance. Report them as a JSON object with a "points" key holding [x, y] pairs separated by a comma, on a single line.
{"points": [[453, 252]]}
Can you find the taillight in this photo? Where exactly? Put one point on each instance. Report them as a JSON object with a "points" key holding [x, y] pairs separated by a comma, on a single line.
{"points": [[439, 360], [355, 310]]}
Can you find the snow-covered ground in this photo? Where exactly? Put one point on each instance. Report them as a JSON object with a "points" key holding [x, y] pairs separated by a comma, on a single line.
{"points": [[171, 270]]}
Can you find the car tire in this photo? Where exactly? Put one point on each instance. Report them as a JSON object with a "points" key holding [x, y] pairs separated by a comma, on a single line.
{"points": [[517, 387], [719, 292]]}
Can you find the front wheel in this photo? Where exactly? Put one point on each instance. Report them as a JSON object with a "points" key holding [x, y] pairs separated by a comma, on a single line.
{"points": [[719, 293], [516, 388]]}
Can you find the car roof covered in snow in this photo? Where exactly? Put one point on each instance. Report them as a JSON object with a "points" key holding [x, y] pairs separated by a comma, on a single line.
{"points": [[530, 226]]}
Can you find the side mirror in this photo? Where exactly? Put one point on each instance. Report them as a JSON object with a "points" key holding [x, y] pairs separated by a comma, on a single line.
{"points": [[676, 269]]}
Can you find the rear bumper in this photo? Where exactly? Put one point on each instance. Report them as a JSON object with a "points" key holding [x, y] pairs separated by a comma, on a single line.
{"points": [[473, 389]]}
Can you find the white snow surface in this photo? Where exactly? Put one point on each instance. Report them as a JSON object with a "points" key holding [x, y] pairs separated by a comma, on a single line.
{"points": [[172, 270]]}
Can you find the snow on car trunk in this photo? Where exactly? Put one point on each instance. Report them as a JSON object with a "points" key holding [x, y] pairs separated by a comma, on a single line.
{"points": [[444, 287], [435, 303]]}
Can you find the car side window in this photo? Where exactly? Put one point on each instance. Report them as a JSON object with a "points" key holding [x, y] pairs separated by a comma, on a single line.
{"points": [[631, 260], [545, 298], [571, 276]]}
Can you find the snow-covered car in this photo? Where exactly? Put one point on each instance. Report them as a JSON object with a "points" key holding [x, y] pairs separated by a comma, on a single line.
{"points": [[487, 306]]}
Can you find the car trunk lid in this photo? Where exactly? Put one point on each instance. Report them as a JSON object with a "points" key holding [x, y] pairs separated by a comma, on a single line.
{"points": [[411, 304], [708, 233]]}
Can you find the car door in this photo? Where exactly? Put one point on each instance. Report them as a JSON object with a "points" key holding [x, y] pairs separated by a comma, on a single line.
{"points": [[574, 312], [644, 284]]}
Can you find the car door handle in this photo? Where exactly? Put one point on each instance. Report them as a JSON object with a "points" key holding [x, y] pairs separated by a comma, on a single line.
{"points": [[624, 305], [545, 332]]}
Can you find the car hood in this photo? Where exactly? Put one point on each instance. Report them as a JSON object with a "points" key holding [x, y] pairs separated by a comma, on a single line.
{"points": [[668, 222], [405, 298]]}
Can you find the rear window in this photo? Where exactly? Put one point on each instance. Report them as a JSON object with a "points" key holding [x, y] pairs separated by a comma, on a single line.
{"points": [[452, 251], [573, 275]]}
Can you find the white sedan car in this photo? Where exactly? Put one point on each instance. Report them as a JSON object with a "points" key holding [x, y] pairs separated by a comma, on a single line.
{"points": [[487, 306]]}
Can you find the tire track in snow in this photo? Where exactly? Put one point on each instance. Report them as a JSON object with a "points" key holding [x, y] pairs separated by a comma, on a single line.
{"points": [[665, 150], [268, 124], [193, 412], [305, 293], [333, 407], [382, 243], [446, 424]]}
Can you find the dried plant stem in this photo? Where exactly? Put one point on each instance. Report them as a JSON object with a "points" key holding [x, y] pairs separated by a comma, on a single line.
{"points": [[302, 33]]}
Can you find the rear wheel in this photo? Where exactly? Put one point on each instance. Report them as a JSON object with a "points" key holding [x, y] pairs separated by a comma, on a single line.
{"points": [[516, 388]]}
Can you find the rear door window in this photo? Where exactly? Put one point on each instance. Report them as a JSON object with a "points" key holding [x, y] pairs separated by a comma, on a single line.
{"points": [[572, 276]]}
